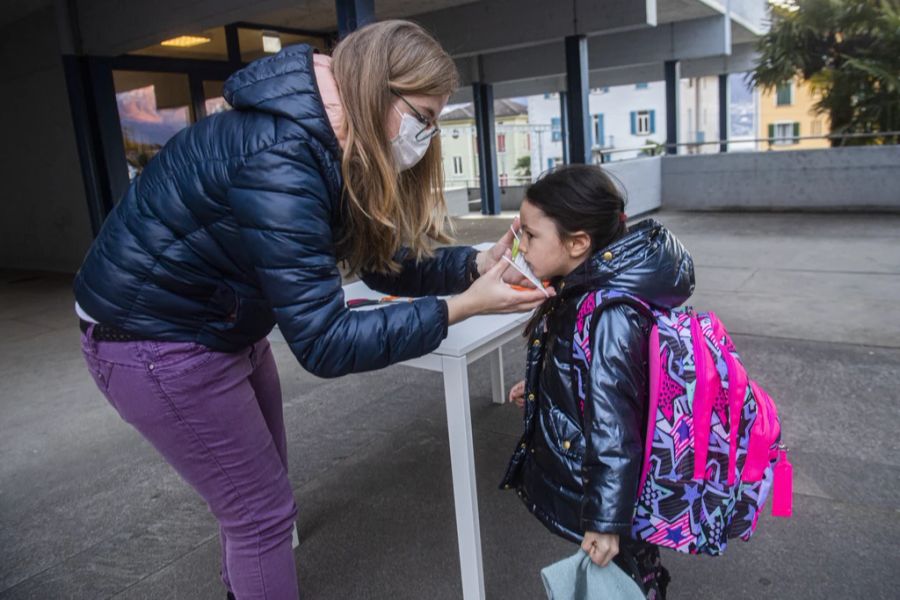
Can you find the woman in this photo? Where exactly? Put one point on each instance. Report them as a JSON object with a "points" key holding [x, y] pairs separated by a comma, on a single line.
{"points": [[240, 223]]}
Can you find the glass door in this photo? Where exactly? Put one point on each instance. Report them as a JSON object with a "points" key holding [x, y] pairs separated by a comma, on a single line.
{"points": [[153, 107], [213, 102]]}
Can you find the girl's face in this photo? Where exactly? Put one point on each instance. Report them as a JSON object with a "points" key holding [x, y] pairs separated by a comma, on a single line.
{"points": [[548, 254]]}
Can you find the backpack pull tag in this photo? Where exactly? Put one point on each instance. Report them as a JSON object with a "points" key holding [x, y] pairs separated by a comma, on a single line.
{"points": [[783, 485]]}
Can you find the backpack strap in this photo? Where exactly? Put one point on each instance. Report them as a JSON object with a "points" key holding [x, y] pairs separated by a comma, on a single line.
{"points": [[597, 301], [589, 308]]}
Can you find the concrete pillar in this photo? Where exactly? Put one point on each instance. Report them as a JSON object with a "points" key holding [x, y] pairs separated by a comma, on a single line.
{"points": [[724, 116], [353, 14], [483, 102], [577, 91], [673, 81]]}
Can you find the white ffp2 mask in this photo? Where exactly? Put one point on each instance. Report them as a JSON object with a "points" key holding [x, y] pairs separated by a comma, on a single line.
{"points": [[408, 150]]}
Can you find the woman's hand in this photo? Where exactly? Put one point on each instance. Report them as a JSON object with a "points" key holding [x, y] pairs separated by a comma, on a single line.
{"points": [[517, 394], [601, 547], [490, 294], [488, 258]]}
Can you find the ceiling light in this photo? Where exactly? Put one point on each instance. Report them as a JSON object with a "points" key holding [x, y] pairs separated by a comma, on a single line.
{"points": [[186, 41], [271, 42]]}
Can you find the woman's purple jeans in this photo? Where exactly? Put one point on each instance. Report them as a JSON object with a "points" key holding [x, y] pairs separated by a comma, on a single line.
{"points": [[217, 418]]}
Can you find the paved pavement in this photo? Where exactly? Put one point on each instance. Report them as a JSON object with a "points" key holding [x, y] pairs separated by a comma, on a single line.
{"points": [[88, 510]]}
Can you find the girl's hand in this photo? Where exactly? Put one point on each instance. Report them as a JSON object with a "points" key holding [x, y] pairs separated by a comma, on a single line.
{"points": [[517, 394], [601, 547], [488, 258], [489, 294]]}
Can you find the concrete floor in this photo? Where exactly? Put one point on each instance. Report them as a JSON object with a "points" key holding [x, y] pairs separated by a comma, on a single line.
{"points": [[88, 510]]}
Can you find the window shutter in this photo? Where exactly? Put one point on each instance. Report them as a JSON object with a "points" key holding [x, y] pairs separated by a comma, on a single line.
{"points": [[633, 123], [796, 132], [601, 133], [652, 121], [771, 131]]}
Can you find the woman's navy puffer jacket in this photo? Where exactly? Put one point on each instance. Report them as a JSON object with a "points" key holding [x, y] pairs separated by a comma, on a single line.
{"points": [[231, 228]]}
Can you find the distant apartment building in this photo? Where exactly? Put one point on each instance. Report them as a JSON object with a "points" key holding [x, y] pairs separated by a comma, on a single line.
{"points": [[786, 115], [699, 115], [625, 122], [628, 121], [514, 138]]}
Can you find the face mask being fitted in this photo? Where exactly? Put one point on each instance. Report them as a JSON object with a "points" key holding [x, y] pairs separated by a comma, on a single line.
{"points": [[407, 150]]}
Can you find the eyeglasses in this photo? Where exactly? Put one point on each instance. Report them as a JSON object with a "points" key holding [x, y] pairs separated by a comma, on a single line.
{"points": [[429, 128]]}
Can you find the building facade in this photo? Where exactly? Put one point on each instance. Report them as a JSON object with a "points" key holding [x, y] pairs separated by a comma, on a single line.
{"points": [[786, 116], [514, 141]]}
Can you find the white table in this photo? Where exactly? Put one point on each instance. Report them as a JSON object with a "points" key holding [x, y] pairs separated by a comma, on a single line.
{"points": [[465, 342]]}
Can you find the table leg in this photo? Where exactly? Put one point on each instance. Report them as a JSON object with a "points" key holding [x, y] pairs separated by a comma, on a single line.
{"points": [[498, 390], [462, 463]]}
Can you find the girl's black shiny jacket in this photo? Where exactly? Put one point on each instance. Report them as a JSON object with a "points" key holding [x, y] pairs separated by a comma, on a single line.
{"points": [[577, 472]]}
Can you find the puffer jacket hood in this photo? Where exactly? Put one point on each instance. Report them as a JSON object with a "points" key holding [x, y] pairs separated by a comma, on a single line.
{"points": [[648, 262], [283, 85]]}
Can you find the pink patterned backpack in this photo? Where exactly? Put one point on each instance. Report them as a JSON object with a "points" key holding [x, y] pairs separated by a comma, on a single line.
{"points": [[713, 449]]}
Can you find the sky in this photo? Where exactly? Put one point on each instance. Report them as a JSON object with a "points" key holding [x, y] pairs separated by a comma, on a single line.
{"points": [[144, 122]]}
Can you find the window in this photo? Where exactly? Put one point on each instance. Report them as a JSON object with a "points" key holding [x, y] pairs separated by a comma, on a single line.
{"points": [[501, 142], [457, 165], [643, 122], [213, 101], [783, 94], [555, 129], [152, 108], [784, 134], [640, 86], [257, 43]]}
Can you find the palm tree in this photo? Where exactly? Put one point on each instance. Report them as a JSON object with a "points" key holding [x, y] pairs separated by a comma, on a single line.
{"points": [[849, 51]]}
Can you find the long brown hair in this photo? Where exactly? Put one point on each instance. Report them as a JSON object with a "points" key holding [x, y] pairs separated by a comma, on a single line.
{"points": [[385, 210]]}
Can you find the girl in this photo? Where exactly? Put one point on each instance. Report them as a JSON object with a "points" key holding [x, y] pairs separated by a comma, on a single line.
{"points": [[240, 223], [577, 466]]}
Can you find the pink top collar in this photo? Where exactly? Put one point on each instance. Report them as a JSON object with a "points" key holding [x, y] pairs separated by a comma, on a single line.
{"points": [[328, 89]]}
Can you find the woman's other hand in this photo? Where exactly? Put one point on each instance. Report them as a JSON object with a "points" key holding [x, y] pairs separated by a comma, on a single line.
{"points": [[601, 547], [490, 294], [517, 394]]}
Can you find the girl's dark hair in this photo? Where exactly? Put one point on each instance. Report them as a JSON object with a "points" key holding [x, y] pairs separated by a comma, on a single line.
{"points": [[581, 198], [578, 198]]}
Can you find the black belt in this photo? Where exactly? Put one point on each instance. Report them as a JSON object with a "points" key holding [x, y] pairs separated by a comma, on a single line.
{"points": [[108, 333]]}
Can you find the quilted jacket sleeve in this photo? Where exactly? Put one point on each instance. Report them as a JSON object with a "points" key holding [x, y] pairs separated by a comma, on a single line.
{"points": [[281, 204], [614, 420], [447, 272]]}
